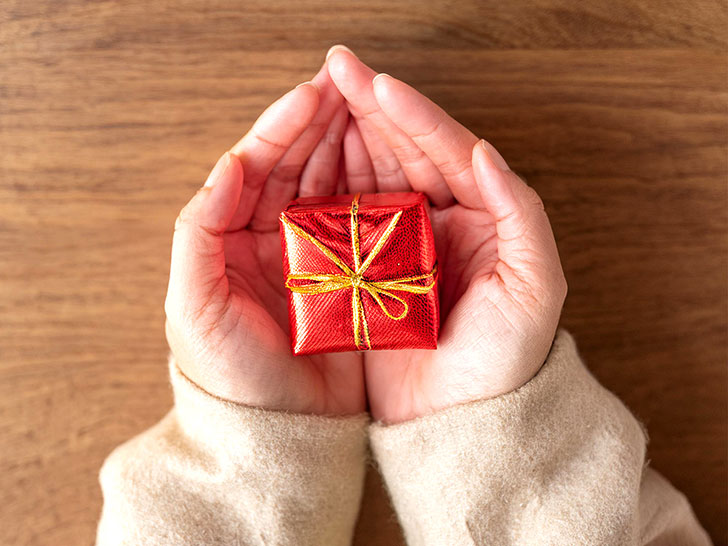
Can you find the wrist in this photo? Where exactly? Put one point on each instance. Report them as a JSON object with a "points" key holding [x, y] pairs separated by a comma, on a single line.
{"points": [[521, 362]]}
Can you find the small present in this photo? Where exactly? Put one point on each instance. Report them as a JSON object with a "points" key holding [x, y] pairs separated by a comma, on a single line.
{"points": [[360, 272]]}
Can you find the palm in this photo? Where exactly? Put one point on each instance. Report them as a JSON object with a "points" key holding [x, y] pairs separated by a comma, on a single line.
{"points": [[420, 382], [465, 241], [252, 262], [255, 326]]}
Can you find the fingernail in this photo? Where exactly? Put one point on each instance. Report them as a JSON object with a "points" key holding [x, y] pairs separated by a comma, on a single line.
{"points": [[379, 75], [338, 47], [218, 170], [308, 83], [494, 156]]}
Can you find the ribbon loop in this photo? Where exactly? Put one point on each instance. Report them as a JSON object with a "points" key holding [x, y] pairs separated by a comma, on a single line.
{"points": [[374, 291], [321, 283]]}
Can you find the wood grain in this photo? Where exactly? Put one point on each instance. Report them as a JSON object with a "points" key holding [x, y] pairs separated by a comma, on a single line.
{"points": [[112, 113]]}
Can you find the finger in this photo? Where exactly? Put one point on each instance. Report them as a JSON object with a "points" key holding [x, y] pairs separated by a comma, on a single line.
{"points": [[321, 173], [197, 276], [358, 166], [447, 143], [526, 245], [388, 171], [354, 80], [341, 186], [282, 183], [271, 136]]}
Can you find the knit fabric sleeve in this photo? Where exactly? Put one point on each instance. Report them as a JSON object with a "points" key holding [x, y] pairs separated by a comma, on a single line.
{"points": [[558, 461], [214, 472]]}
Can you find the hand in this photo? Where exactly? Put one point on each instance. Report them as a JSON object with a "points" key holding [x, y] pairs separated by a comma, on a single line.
{"points": [[227, 323], [502, 283]]}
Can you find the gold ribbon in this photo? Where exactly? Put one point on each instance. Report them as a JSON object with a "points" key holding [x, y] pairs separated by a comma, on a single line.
{"points": [[322, 283]]}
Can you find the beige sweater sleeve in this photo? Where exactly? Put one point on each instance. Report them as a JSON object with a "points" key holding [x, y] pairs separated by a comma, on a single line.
{"points": [[213, 472], [559, 461]]}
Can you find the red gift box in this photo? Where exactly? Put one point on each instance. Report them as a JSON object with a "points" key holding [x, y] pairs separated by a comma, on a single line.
{"points": [[361, 273]]}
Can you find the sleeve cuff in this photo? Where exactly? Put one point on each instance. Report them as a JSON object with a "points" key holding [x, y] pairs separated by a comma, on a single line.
{"points": [[217, 472], [236, 428], [560, 449]]}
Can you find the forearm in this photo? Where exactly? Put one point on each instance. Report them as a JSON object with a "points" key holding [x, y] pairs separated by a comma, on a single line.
{"points": [[558, 461], [213, 472]]}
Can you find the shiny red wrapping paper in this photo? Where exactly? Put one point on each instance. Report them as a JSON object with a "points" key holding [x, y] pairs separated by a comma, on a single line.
{"points": [[386, 301]]}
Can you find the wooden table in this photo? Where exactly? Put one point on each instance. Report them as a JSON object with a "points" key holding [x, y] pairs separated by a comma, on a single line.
{"points": [[111, 115]]}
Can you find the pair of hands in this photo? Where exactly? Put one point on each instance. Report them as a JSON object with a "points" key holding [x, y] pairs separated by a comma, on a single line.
{"points": [[350, 130]]}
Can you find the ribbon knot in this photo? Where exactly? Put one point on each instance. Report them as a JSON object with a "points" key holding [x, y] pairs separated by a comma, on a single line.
{"points": [[320, 283]]}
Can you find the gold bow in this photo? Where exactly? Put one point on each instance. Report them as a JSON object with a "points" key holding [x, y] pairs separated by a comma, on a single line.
{"points": [[326, 282]]}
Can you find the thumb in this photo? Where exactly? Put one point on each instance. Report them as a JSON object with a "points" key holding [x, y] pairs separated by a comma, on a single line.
{"points": [[197, 277], [527, 249]]}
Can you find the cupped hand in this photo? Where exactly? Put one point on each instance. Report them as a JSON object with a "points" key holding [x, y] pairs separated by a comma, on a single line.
{"points": [[502, 285], [227, 323]]}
